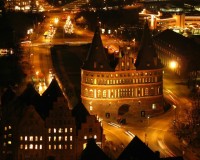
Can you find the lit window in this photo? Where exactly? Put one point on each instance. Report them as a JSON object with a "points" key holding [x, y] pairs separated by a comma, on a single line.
{"points": [[9, 127], [65, 138], [91, 108], [59, 138], [49, 139], [36, 138], [54, 147], [31, 138], [9, 135], [21, 138], [65, 130], [40, 146], [54, 138], [85, 137], [70, 146], [25, 138], [36, 146], [31, 146], [21, 146], [54, 130], [153, 106], [70, 138], [95, 136], [65, 146], [40, 138], [60, 146], [49, 130], [60, 130], [4, 144], [5, 136], [26, 146], [49, 146], [70, 129], [5, 128]]}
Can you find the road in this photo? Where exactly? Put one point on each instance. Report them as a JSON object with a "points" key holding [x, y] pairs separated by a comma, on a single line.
{"points": [[151, 131]]}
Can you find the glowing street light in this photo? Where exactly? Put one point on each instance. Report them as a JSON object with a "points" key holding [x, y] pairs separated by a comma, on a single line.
{"points": [[173, 65], [56, 20]]}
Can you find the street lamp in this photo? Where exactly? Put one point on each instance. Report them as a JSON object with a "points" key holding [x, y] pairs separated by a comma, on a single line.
{"points": [[173, 65], [174, 113]]}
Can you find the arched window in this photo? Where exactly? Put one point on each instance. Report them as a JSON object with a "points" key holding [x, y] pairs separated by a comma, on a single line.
{"points": [[91, 93], [86, 92], [146, 91], [99, 94], [104, 94]]}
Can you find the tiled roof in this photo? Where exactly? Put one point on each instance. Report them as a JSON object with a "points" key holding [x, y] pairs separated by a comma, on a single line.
{"points": [[147, 57], [97, 59]]}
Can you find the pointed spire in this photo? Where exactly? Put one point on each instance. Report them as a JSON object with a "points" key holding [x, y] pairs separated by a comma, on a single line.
{"points": [[97, 59], [147, 57]]}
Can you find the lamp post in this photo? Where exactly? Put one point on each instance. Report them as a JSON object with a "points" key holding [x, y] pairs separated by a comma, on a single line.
{"points": [[173, 65], [174, 113]]}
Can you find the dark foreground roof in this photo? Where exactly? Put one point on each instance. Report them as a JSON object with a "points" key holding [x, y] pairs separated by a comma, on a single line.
{"points": [[136, 149], [93, 152]]}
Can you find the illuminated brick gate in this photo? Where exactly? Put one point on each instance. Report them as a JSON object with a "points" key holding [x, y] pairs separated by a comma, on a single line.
{"points": [[138, 85]]}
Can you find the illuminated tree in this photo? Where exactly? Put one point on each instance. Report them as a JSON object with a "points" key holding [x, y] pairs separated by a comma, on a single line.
{"points": [[68, 27]]}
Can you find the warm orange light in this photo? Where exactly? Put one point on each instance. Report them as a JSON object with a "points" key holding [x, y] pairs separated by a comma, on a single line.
{"points": [[173, 64]]}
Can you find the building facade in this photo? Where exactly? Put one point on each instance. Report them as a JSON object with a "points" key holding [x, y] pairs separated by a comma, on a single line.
{"points": [[133, 87], [61, 135], [178, 53]]}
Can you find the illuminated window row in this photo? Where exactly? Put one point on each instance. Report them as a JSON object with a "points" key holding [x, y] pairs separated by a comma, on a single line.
{"points": [[59, 138], [110, 75], [59, 146], [7, 136], [30, 146], [31, 138], [7, 128], [122, 81], [126, 92], [95, 137], [59, 130], [8, 142]]}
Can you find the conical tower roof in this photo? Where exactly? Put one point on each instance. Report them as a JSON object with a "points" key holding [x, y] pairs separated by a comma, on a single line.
{"points": [[147, 57], [97, 59]]}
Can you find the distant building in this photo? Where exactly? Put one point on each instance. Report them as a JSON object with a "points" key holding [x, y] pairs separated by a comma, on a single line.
{"points": [[132, 87], [23, 5], [41, 127], [178, 21], [178, 53]]}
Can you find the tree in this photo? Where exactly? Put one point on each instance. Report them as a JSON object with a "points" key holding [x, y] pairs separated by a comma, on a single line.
{"points": [[68, 27]]}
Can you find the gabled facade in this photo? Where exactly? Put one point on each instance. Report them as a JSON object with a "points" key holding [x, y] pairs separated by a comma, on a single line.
{"points": [[37, 130], [139, 85]]}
